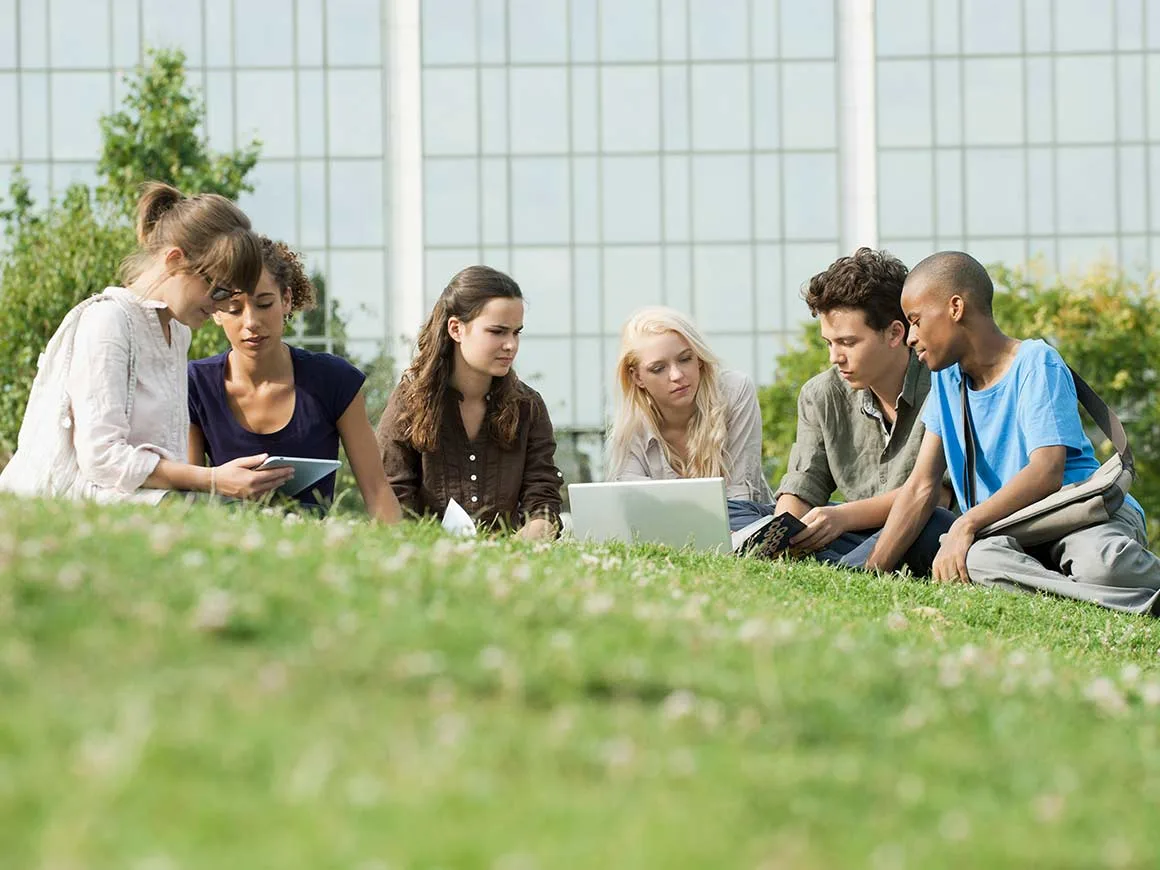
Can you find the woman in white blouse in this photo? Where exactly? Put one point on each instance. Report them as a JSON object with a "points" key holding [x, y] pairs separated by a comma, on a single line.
{"points": [[107, 417], [681, 415]]}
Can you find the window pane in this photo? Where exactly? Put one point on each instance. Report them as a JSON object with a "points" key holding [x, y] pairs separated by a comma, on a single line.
{"points": [[1153, 63], [585, 201], [678, 277], [1083, 253], [948, 103], [632, 199], [545, 277], [353, 32], [584, 36], [1130, 109], [273, 205], [631, 101], [356, 202], [763, 30], [78, 102], [33, 35], [991, 27], [540, 201], [589, 405], [905, 194], [9, 122], [358, 281], [1041, 190], [585, 119], [721, 199], [809, 117], [549, 372], [632, 280], [495, 201], [678, 205], [1086, 190], [1037, 22], [266, 110], [439, 268], [450, 125], [1084, 25], [451, 202], [902, 27], [1040, 100], [263, 31], [996, 193], [538, 31], [219, 110], [79, 32], [586, 265], [178, 25], [8, 35], [948, 181], [1089, 112], [807, 29], [64, 175], [1133, 195], [771, 299], [539, 111], [904, 102], [767, 196], [126, 33], [1129, 34], [999, 250], [449, 31], [311, 114], [811, 196], [629, 30], [720, 29], [720, 107], [492, 31], [312, 204], [310, 30], [994, 102], [802, 262], [356, 103], [735, 351], [34, 111], [674, 37], [675, 113], [766, 106], [722, 287]]}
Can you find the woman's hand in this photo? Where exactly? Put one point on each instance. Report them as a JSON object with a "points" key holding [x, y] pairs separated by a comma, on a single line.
{"points": [[240, 478]]}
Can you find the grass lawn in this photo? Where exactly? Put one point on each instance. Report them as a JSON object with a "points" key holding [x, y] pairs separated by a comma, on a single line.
{"points": [[193, 688]]}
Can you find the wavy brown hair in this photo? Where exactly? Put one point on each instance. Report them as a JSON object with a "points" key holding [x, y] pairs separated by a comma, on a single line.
{"points": [[286, 268], [425, 382], [868, 281]]}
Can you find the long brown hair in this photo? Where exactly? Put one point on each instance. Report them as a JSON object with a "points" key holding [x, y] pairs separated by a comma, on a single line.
{"points": [[213, 234], [425, 382]]}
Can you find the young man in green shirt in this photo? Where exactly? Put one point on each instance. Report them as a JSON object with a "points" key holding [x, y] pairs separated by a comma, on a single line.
{"points": [[859, 422]]}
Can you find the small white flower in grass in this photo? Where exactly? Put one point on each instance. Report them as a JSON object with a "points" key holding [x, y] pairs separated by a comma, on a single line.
{"points": [[522, 573], [310, 774], [442, 693], [844, 643], [284, 549], [515, 861], [156, 862], [679, 704], [599, 603], [561, 641], [896, 621], [913, 718], [213, 610], [194, 559], [1017, 659], [950, 672], [954, 826], [1130, 675], [162, 538], [1048, 807], [421, 663], [273, 677], [81, 531], [492, 658], [1106, 695], [334, 576], [1150, 693], [400, 559], [442, 552], [364, 790], [1117, 853], [969, 655], [888, 856], [450, 729], [752, 630], [70, 576], [252, 540], [337, 534], [712, 714], [618, 753], [589, 559], [682, 762]]}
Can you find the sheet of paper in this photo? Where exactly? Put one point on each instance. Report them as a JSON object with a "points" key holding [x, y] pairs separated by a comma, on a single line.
{"points": [[456, 520]]}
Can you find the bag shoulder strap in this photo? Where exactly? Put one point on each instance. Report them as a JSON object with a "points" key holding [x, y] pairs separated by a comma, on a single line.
{"points": [[1104, 416]]}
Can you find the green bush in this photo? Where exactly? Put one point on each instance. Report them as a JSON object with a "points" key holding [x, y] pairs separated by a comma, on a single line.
{"points": [[1105, 325]]}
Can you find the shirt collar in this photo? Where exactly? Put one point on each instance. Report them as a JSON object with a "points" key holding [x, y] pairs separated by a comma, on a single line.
{"points": [[909, 392]]}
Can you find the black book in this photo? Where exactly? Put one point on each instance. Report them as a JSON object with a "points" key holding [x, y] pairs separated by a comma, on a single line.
{"points": [[768, 536]]}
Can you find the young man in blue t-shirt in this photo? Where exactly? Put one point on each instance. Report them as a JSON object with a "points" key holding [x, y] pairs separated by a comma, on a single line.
{"points": [[1028, 443]]}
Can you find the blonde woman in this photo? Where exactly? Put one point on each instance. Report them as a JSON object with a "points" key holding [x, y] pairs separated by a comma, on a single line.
{"points": [[681, 415]]}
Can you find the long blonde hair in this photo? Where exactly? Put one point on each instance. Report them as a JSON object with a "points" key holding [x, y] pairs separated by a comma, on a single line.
{"points": [[637, 412]]}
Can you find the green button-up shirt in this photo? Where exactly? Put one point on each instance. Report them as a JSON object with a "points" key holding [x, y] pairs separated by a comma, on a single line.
{"points": [[843, 443]]}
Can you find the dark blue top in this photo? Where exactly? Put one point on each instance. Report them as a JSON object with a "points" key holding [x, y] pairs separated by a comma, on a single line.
{"points": [[324, 387]]}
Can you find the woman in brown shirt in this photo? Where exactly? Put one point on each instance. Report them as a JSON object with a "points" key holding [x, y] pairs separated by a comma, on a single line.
{"points": [[460, 424]]}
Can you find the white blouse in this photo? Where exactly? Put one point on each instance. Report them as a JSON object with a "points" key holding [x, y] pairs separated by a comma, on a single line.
{"points": [[116, 452], [746, 476]]}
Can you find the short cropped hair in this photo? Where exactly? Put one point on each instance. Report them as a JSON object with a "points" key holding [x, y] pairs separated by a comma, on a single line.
{"points": [[869, 281], [959, 273]]}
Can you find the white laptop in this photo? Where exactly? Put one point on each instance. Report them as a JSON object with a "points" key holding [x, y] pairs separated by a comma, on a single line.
{"points": [[679, 513]]}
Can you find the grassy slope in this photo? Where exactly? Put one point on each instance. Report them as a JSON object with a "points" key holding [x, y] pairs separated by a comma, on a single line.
{"points": [[204, 689]]}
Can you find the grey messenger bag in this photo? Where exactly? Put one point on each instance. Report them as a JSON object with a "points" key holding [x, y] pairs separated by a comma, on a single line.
{"points": [[1074, 506]]}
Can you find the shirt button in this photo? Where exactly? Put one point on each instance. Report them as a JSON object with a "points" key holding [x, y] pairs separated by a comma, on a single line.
{"points": [[473, 477], [471, 457], [475, 498]]}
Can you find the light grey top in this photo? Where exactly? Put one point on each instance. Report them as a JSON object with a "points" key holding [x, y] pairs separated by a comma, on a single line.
{"points": [[744, 478]]}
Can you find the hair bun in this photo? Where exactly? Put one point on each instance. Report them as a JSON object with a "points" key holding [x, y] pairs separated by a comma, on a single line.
{"points": [[157, 198]]}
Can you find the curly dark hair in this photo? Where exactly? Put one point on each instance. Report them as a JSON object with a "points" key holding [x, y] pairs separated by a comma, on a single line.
{"points": [[425, 381], [869, 281], [286, 268]]}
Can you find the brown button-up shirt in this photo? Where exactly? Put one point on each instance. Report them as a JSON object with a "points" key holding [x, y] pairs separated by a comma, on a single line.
{"points": [[496, 485]]}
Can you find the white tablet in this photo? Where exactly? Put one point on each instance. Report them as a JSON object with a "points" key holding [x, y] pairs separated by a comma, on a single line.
{"points": [[307, 472]]}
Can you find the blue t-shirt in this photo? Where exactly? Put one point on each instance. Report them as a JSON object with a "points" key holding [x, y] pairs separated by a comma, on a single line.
{"points": [[1033, 405], [324, 386]]}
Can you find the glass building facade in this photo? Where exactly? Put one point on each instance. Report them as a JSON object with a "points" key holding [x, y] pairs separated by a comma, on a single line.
{"points": [[706, 154]]}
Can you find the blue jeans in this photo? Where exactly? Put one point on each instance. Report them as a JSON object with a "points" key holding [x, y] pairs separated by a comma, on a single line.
{"points": [[852, 549]]}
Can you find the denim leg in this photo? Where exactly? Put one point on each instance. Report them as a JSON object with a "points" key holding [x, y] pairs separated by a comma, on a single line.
{"points": [[838, 551], [743, 512], [920, 557]]}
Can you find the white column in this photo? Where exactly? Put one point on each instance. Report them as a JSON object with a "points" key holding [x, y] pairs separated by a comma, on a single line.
{"points": [[403, 218], [857, 124]]}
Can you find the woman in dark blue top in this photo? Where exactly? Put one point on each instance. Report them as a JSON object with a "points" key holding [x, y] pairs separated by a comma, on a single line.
{"points": [[263, 396]]}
